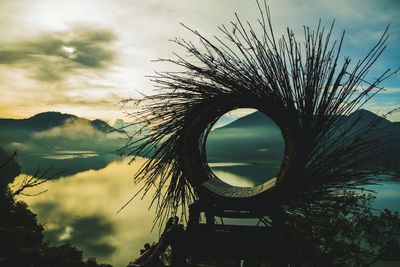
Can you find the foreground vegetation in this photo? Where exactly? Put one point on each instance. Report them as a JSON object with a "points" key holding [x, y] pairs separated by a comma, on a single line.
{"points": [[22, 241]]}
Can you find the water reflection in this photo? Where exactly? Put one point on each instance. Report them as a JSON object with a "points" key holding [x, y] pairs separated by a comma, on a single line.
{"points": [[65, 163], [81, 208], [245, 174]]}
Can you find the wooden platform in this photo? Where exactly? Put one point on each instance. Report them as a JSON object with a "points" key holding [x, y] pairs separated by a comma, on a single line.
{"points": [[231, 241]]}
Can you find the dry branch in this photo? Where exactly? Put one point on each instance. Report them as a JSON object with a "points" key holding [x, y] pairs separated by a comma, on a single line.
{"points": [[303, 86]]}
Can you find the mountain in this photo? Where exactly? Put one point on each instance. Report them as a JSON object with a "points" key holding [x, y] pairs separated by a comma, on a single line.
{"points": [[51, 133], [256, 138], [47, 120], [65, 143], [255, 119], [258, 119], [38, 122], [365, 117], [104, 126]]}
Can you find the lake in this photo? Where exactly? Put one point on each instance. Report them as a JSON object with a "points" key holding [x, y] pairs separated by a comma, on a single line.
{"points": [[82, 207]]}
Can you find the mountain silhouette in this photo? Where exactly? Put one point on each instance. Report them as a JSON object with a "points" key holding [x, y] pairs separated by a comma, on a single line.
{"points": [[65, 143], [256, 138], [364, 117], [255, 119], [51, 132], [258, 119], [47, 120], [253, 138]]}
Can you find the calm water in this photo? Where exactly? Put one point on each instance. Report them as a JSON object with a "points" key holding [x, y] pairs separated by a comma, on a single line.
{"points": [[81, 208], [245, 174]]}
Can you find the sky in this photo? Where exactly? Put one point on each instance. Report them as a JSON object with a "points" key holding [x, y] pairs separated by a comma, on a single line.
{"points": [[82, 57]]}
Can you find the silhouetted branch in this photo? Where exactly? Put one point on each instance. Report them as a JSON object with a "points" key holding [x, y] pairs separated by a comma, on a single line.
{"points": [[9, 159], [31, 181]]}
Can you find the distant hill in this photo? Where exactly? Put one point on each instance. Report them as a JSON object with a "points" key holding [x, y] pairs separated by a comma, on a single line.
{"points": [[255, 119], [365, 117], [104, 126], [47, 120], [49, 132], [258, 119], [38, 122], [65, 143], [256, 138]]}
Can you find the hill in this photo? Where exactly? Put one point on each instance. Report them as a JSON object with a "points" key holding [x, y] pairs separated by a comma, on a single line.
{"points": [[50, 132], [256, 138], [254, 119], [66, 143], [47, 120]]}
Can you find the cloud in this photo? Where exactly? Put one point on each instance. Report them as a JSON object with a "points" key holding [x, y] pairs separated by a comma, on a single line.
{"points": [[143, 30], [67, 234], [87, 202], [85, 231], [91, 233], [104, 100], [381, 106], [54, 56], [390, 90], [75, 129]]}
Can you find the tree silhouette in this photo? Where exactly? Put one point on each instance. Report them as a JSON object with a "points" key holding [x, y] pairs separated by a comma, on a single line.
{"points": [[21, 242]]}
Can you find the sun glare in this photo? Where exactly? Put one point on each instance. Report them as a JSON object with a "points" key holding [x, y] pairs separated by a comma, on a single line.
{"points": [[68, 49]]}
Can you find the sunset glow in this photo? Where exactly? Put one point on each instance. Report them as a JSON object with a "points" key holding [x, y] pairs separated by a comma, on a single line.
{"points": [[83, 57]]}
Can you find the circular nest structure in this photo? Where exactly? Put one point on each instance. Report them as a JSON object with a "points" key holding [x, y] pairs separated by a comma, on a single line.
{"points": [[193, 156], [301, 88]]}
